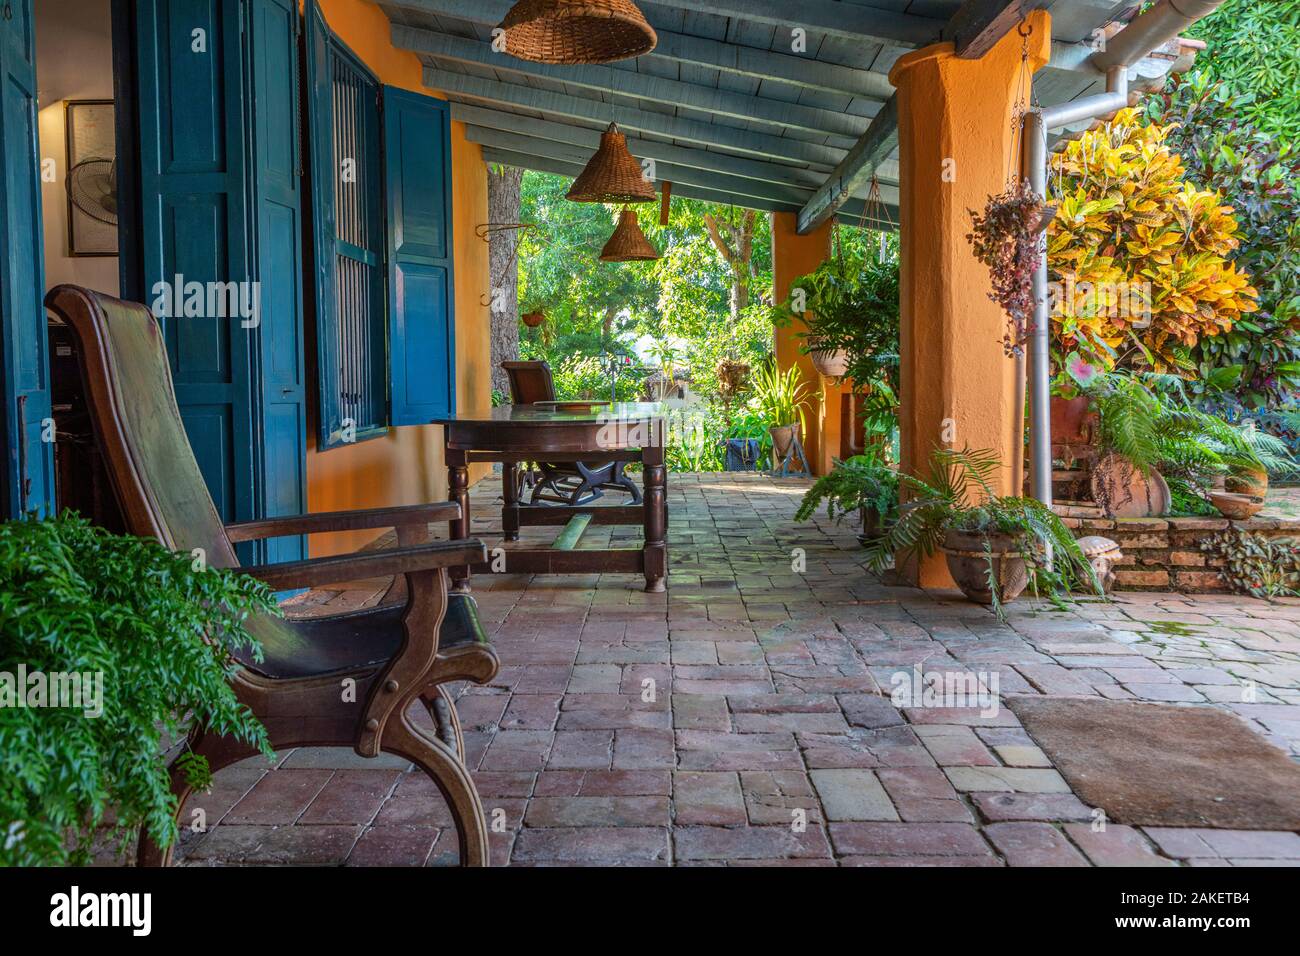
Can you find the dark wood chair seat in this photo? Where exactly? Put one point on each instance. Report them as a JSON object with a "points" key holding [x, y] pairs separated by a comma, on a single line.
{"points": [[353, 642]]}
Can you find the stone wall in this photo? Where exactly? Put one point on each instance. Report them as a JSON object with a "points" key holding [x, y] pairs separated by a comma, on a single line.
{"points": [[1164, 554]]}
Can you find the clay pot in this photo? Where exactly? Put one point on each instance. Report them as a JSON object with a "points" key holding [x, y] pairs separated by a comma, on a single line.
{"points": [[533, 319], [783, 437], [1236, 507], [1252, 482], [1072, 423], [832, 363], [968, 563], [1124, 491]]}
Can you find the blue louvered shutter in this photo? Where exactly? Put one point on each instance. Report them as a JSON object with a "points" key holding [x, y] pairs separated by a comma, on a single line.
{"points": [[421, 325]]}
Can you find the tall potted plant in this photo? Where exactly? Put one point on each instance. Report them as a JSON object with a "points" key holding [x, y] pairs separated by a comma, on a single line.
{"points": [[995, 545], [780, 397], [141, 642]]}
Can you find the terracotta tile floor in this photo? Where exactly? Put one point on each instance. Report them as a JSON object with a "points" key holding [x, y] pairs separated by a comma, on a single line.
{"points": [[738, 719]]}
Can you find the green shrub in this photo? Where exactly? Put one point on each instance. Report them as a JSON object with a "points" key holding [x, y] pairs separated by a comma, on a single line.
{"points": [[160, 630]]}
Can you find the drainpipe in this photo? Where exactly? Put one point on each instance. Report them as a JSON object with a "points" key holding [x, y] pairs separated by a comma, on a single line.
{"points": [[1159, 24]]}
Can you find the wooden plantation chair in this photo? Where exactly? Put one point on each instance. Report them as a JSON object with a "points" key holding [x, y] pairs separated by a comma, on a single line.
{"points": [[398, 655], [569, 483]]}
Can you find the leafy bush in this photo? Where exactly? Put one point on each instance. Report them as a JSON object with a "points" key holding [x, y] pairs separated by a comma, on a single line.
{"points": [[585, 377], [1255, 565], [862, 481], [1224, 150], [1127, 218], [75, 599]]}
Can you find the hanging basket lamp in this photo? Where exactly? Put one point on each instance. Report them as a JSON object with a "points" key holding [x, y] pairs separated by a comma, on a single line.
{"points": [[628, 243], [612, 175], [577, 31]]}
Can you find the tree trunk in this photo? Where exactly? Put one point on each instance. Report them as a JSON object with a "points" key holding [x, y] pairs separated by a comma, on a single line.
{"points": [[735, 243], [503, 269]]}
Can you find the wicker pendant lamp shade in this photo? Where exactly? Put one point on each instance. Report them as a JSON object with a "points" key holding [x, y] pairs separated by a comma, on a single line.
{"points": [[577, 31], [612, 175], [628, 243]]}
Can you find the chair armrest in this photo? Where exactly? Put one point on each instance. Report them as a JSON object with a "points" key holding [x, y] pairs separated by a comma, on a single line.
{"points": [[368, 564], [325, 521]]}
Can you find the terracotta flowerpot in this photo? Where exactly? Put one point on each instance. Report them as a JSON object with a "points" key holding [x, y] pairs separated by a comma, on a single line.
{"points": [[533, 319], [783, 437], [1236, 507], [1072, 423], [968, 563], [1122, 490], [832, 363], [1252, 482]]}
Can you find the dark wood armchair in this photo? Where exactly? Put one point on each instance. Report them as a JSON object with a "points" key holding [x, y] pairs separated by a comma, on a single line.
{"points": [[570, 483], [394, 656]]}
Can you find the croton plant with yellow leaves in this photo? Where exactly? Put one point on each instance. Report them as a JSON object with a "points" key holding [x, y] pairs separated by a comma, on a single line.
{"points": [[1138, 258]]}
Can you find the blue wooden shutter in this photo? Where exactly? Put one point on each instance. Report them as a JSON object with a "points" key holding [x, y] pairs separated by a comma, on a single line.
{"points": [[28, 482], [273, 46], [194, 185], [421, 314], [348, 239]]}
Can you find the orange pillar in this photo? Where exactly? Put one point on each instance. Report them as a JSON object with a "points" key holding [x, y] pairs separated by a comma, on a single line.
{"points": [[957, 142], [793, 256]]}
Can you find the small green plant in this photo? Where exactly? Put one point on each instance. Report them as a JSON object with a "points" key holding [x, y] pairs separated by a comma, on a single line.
{"points": [[780, 396], [863, 481], [155, 632], [958, 495], [1255, 565]]}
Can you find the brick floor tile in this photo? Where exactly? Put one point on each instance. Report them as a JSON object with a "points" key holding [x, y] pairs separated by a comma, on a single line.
{"points": [[852, 795], [967, 779], [531, 712], [607, 846], [351, 796], [581, 750], [1002, 806], [772, 797], [907, 839], [280, 797], [1117, 845], [708, 798], [700, 712], [1033, 844], [597, 811], [393, 846], [748, 843]]}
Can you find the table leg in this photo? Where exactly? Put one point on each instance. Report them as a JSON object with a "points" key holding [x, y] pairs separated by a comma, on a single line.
{"points": [[510, 478], [656, 518], [458, 483]]}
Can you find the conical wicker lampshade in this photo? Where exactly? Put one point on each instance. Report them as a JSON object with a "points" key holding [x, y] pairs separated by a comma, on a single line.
{"points": [[628, 243], [577, 31], [612, 174]]}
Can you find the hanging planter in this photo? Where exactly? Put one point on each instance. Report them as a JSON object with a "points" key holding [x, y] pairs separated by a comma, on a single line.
{"points": [[832, 363], [533, 319], [1006, 239], [577, 31], [628, 243], [612, 175]]}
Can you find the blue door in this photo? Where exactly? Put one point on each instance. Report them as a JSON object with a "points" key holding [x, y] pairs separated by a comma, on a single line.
{"points": [[28, 483], [221, 239]]}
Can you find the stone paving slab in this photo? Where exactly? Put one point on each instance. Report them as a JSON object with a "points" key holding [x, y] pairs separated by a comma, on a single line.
{"points": [[748, 716]]}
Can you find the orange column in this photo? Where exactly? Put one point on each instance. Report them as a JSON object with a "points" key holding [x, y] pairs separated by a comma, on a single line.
{"points": [[793, 256], [957, 142]]}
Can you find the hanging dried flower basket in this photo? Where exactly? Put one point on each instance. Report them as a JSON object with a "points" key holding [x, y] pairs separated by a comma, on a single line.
{"points": [[612, 175], [533, 319], [628, 243], [577, 31]]}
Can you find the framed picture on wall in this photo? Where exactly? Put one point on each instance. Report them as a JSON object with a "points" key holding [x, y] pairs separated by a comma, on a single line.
{"points": [[91, 177]]}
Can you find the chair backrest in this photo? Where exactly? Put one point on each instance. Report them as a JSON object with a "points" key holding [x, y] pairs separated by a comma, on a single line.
{"points": [[132, 403], [530, 382]]}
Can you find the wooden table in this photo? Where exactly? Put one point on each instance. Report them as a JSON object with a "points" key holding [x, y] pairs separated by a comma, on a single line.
{"points": [[625, 431]]}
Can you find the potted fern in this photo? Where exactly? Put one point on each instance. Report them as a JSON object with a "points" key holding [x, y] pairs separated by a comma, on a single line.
{"points": [[862, 484], [995, 545], [141, 642]]}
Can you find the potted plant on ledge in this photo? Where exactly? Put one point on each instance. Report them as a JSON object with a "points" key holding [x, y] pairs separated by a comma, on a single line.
{"points": [[780, 397], [995, 545]]}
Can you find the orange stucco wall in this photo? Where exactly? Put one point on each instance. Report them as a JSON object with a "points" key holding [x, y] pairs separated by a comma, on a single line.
{"points": [[956, 147], [406, 466], [793, 256]]}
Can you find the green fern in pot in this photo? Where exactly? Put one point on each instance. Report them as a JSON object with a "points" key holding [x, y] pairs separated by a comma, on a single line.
{"points": [[862, 484], [996, 546]]}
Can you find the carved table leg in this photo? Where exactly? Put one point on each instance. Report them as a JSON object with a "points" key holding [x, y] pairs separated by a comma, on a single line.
{"points": [[458, 483], [656, 518], [510, 478]]}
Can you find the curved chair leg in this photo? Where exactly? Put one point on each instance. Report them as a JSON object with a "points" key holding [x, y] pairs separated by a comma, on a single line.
{"points": [[149, 853], [405, 739]]}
